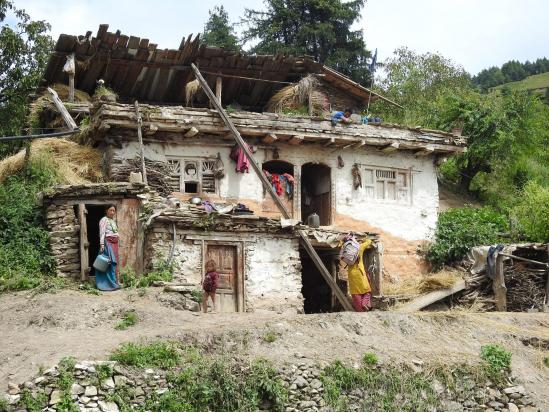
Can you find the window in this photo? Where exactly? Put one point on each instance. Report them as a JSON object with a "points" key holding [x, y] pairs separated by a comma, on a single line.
{"points": [[192, 175], [392, 185]]}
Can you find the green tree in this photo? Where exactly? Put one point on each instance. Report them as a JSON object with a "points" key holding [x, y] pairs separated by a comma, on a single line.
{"points": [[24, 50], [417, 82], [318, 28], [218, 31]]}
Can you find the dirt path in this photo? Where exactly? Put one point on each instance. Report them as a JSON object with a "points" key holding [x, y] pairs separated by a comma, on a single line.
{"points": [[39, 331]]}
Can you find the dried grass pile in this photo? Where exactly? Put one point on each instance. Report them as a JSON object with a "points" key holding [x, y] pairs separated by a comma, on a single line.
{"points": [[415, 286], [75, 164], [38, 115], [297, 96]]}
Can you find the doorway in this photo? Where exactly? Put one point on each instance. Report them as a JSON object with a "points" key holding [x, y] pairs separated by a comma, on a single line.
{"points": [[317, 295], [93, 213], [281, 176], [316, 192], [227, 258]]}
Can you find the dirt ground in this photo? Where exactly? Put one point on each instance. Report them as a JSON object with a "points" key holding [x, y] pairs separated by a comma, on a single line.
{"points": [[38, 331]]}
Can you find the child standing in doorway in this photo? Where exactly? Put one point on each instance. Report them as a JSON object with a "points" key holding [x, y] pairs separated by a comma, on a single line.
{"points": [[209, 284]]}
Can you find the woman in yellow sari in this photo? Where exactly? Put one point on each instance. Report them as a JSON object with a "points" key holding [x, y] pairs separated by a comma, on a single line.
{"points": [[359, 282]]}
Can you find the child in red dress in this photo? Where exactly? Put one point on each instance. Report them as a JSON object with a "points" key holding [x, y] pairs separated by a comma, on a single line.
{"points": [[209, 284]]}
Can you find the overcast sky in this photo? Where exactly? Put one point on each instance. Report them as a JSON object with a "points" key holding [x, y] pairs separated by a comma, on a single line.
{"points": [[474, 33]]}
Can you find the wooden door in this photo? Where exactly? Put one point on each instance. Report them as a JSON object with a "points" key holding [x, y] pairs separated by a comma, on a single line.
{"points": [[229, 291]]}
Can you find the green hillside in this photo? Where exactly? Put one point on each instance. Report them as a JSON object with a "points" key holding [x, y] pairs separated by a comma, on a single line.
{"points": [[537, 82]]}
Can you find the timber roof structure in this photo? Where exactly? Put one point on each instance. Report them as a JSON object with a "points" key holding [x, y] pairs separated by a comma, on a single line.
{"points": [[176, 123], [137, 69]]}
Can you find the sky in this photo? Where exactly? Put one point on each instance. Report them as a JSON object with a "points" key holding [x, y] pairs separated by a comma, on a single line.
{"points": [[474, 33]]}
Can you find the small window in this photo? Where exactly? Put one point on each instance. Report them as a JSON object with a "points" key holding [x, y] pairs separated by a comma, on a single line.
{"points": [[192, 175], [387, 184]]}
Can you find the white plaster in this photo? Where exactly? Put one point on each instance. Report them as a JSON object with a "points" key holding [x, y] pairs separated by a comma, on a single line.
{"points": [[273, 274], [412, 222]]}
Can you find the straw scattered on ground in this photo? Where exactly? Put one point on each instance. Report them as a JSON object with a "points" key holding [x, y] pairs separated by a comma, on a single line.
{"points": [[75, 163], [425, 284]]}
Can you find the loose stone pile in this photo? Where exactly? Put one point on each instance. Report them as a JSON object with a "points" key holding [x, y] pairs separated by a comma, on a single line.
{"points": [[91, 393]]}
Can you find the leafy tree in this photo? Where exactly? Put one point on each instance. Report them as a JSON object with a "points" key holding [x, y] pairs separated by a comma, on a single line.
{"points": [[417, 82], [218, 31], [24, 50], [513, 71], [318, 28]]}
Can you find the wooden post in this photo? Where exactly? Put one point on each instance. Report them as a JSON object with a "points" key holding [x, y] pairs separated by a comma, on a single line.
{"points": [[140, 138], [218, 87], [84, 244], [546, 301], [69, 121], [498, 286], [269, 188], [70, 69], [71, 87]]}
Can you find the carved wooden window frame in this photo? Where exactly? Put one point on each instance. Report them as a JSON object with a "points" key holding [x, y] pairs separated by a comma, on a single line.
{"points": [[205, 173], [388, 185]]}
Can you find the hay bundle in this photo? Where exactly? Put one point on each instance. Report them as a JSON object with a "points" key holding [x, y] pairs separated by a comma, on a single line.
{"points": [[74, 163], [296, 96], [191, 90]]}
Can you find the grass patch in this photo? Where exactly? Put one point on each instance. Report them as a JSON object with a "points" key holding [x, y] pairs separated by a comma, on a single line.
{"points": [[270, 336], [130, 318], [369, 359], [157, 354], [162, 272]]}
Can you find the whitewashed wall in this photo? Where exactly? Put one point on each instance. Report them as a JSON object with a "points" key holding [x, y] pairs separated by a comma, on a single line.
{"points": [[411, 222], [273, 275]]}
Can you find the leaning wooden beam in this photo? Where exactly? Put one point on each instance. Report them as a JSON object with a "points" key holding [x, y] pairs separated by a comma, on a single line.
{"points": [[269, 188], [69, 121], [432, 297], [140, 138]]}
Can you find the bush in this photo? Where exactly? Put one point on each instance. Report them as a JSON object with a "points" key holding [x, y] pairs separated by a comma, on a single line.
{"points": [[462, 228], [532, 213], [130, 318], [25, 255], [498, 360]]}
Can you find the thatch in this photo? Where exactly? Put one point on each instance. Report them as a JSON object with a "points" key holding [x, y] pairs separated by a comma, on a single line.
{"points": [[191, 89], [74, 163], [296, 96], [418, 285]]}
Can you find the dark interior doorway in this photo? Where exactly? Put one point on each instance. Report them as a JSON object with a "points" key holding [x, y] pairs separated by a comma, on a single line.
{"points": [[316, 292], [93, 216], [316, 190]]}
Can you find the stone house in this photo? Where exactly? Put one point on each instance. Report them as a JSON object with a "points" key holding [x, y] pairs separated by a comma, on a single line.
{"points": [[377, 180]]}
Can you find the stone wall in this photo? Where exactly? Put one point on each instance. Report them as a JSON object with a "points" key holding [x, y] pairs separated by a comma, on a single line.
{"points": [[64, 229]]}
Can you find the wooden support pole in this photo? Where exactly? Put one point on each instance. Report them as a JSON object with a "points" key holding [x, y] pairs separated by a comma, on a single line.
{"points": [[498, 286], [546, 301], [84, 244], [218, 87], [269, 188], [140, 138], [69, 121]]}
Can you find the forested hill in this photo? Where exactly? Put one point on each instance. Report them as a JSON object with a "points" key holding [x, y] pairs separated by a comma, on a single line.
{"points": [[512, 71], [537, 83]]}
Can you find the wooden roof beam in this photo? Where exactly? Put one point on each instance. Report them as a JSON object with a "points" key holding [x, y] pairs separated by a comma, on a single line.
{"points": [[330, 142], [390, 148], [269, 138], [295, 140], [426, 151]]}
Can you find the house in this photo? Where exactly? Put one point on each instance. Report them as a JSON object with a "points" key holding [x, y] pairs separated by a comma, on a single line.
{"points": [[377, 180]]}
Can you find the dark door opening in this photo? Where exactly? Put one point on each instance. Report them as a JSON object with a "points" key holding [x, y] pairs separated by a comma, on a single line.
{"points": [[93, 216], [318, 297], [316, 191]]}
